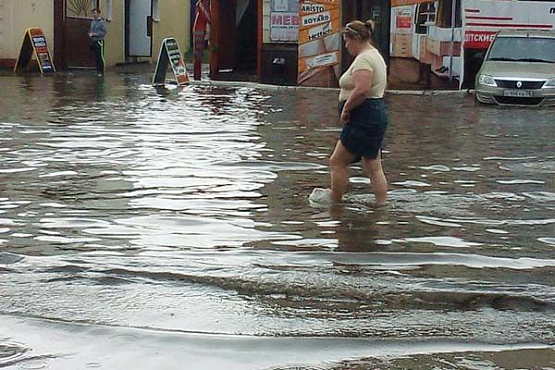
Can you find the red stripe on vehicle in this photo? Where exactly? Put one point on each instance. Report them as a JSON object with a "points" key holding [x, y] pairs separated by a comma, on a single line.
{"points": [[491, 18], [504, 25]]}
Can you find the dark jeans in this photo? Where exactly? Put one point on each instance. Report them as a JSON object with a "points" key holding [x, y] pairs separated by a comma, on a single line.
{"points": [[98, 49]]}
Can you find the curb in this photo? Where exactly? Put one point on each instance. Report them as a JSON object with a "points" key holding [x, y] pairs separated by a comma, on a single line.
{"points": [[261, 86]]}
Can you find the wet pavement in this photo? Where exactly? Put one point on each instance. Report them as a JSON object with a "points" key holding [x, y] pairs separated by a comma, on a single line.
{"points": [[147, 227]]}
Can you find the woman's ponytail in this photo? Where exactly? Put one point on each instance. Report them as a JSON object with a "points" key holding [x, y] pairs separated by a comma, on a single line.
{"points": [[369, 24]]}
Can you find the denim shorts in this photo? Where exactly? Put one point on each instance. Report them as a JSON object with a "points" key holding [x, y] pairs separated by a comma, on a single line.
{"points": [[363, 134]]}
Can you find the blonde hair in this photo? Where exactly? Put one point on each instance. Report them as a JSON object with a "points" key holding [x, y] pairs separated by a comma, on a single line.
{"points": [[362, 31]]}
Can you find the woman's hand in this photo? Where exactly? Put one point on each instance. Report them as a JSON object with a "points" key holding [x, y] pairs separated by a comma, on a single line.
{"points": [[345, 115]]}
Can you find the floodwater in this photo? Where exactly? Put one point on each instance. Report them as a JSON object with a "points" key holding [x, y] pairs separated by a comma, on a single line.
{"points": [[167, 228]]}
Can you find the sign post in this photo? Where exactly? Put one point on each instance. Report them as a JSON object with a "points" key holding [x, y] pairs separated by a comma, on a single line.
{"points": [[34, 42], [170, 55]]}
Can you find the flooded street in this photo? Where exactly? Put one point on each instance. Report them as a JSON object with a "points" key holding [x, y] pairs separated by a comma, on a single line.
{"points": [[146, 228]]}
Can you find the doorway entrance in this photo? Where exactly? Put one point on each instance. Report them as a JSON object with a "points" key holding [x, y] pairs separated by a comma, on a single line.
{"points": [[377, 10], [74, 29], [138, 28], [234, 39]]}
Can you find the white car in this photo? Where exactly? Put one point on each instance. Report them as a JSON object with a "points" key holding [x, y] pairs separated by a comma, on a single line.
{"points": [[519, 68]]}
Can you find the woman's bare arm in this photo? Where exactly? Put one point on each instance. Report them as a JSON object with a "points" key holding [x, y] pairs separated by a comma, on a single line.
{"points": [[363, 83]]}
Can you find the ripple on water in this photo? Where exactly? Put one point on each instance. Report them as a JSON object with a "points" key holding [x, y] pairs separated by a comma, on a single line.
{"points": [[438, 203], [550, 241], [519, 181], [443, 241], [437, 221], [467, 168], [412, 183], [532, 167], [503, 195], [59, 174], [297, 367], [497, 231], [12, 353], [541, 196], [9, 258], [437, 168]]}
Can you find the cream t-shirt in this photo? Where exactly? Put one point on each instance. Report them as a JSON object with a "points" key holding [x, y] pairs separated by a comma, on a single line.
{"points": [[370, 60]]}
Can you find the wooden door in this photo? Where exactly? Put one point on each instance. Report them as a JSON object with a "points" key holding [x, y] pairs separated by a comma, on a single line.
{"points": [[379, 12], [78, 18], [223, 36]]}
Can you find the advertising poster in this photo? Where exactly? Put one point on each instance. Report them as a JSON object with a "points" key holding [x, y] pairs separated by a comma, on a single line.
{"points": [[284, 21], [319, 43], [426, 42], [34, 42], [483, 19], [41, 50], [170, 55]]}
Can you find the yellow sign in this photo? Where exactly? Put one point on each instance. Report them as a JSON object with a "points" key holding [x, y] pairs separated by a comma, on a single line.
{"points": [[34, 42], [319, 43]]}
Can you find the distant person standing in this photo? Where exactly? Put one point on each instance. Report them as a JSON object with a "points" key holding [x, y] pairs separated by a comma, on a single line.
{"points": [[97, 32]]}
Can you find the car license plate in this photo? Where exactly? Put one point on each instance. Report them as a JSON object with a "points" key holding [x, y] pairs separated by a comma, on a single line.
{"points": [[518, 93]]}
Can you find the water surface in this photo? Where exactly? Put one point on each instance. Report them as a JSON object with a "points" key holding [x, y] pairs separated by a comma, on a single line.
{"points": [[168, 212]]}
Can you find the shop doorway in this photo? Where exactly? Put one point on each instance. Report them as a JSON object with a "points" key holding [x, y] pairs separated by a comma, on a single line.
{"points": [[72, 22], [138, 28], [234, 40], [377, 10]]}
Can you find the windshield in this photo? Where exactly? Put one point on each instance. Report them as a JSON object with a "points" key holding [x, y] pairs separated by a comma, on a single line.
{"points": [[525, 49]]}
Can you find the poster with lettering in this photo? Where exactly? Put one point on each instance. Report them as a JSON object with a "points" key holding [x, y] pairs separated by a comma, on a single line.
{"points": [[284, 21], [34, 42], [170, 55], [319, 43]]}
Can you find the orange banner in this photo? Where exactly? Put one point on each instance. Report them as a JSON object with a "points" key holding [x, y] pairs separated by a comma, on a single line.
{"points": [[319, 43], [319, 31]]}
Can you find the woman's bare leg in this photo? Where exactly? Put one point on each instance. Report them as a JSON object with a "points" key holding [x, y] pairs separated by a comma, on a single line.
{"points": [[377, 178], [339, 163]]}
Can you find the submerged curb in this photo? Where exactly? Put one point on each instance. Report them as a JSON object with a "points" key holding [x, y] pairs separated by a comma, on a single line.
{"points": [[256, 85]]}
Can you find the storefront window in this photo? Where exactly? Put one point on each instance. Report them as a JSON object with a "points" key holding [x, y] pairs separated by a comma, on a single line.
{"points": [[80, 8], [425, 16]]}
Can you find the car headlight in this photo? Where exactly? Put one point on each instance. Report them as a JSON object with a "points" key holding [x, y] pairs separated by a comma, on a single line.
{"points": [[550, 84], [487, 80]]}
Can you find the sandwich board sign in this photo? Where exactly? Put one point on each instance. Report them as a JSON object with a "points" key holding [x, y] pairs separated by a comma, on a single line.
{"points": [[170, 55], [34, 42]]}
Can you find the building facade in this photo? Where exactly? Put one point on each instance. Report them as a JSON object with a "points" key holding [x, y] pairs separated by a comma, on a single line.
{"points": [[15, 17], [267, 41], [136, 28], [426, 43]]}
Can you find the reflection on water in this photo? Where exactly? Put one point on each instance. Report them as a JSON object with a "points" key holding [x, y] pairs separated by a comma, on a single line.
{"points": [[185, 209]]}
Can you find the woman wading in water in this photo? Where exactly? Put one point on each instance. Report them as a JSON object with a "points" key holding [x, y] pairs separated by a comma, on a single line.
{"points": [[363, 114]]}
